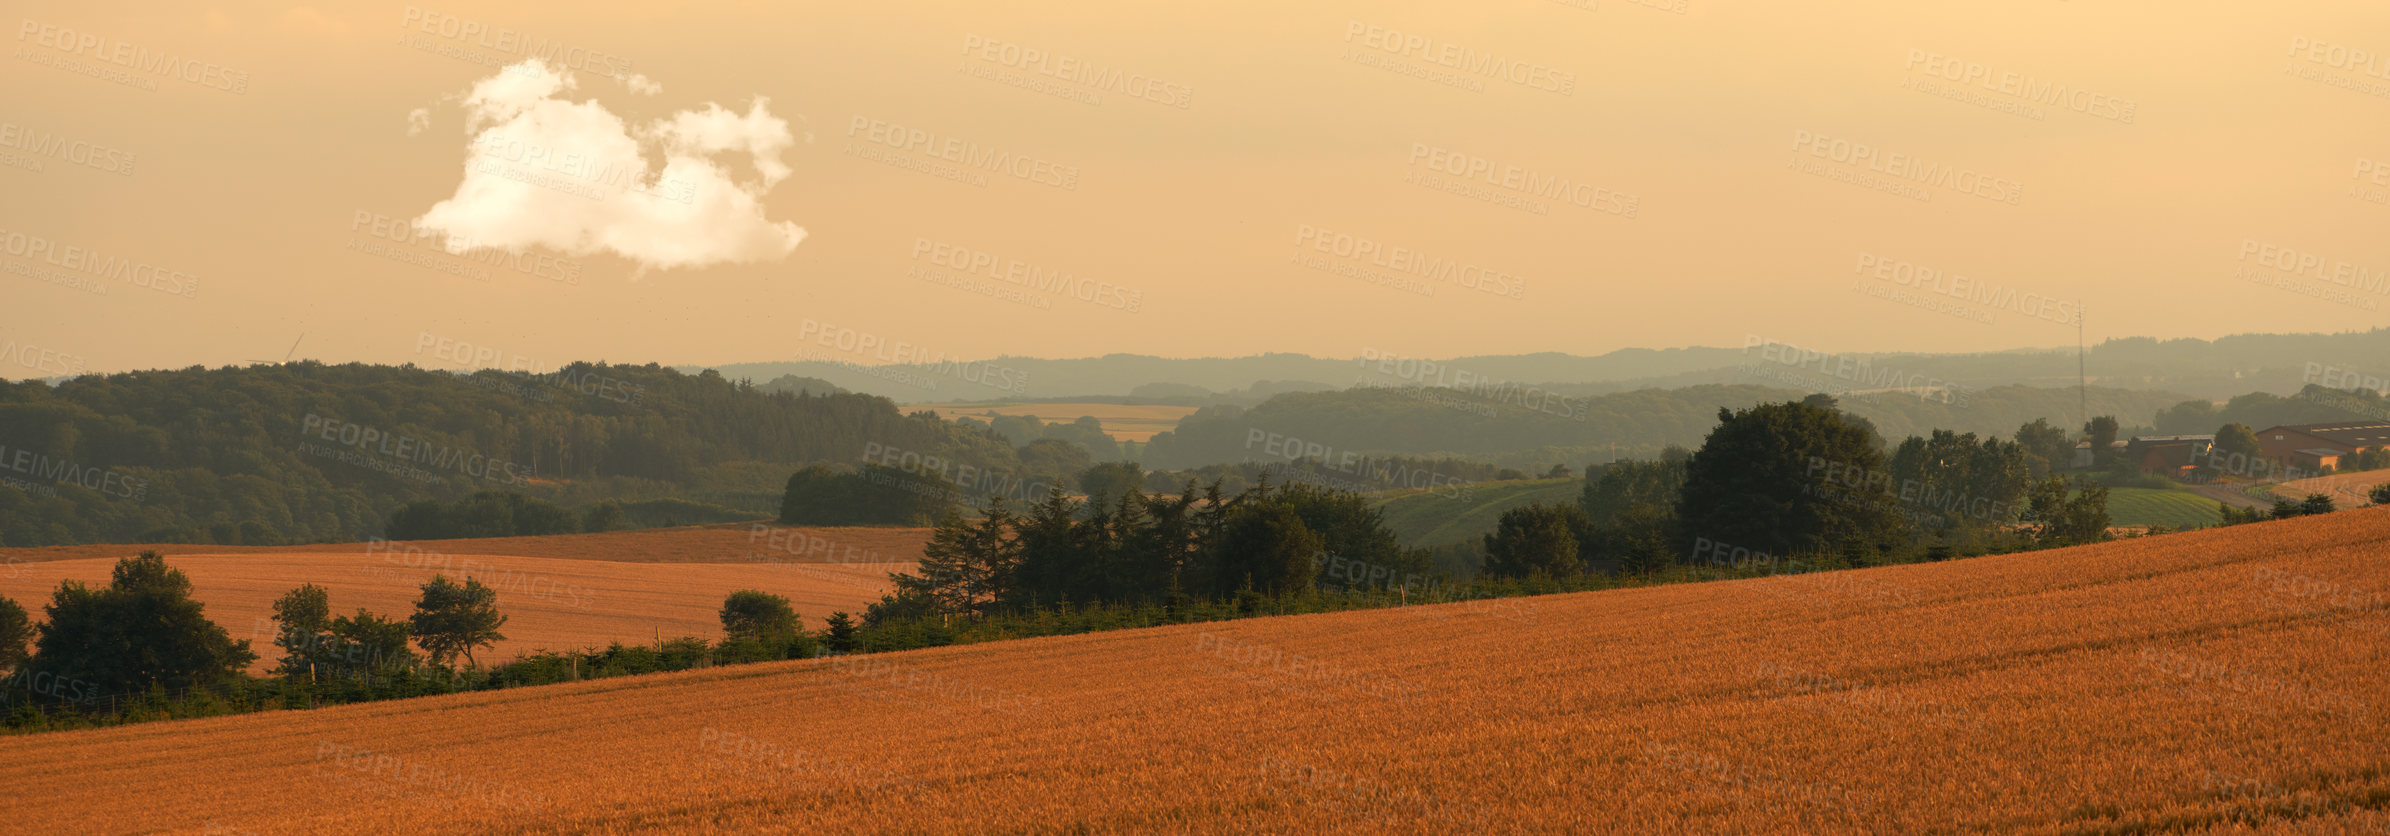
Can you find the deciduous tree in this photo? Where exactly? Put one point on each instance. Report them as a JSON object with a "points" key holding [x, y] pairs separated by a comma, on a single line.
{"points": [[451, 620], [142, 629]]}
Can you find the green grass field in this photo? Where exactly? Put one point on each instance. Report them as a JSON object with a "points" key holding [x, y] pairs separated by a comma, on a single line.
{"points": [[1434, 518], [2154, 506]]}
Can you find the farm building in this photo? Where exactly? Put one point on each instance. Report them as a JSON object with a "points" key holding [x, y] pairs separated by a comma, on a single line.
{"points": [[2168, 455], [2309, 445]]}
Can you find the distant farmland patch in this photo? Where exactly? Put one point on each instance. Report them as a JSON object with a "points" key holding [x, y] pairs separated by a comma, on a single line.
{"points": [[2143, 507], [1123, 422], [2348, 490], [1439, 516], [716, 543]]}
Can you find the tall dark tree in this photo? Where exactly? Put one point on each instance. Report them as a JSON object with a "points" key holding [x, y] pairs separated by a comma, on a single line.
{"points": [[758, 616], [1536, 539], [368, 647], [1952, 481], [16, 636], [1351, 527], [964, 564], [1266, 548], [2237, 439], [142, 629], [2101, 432], [305, 618], [1615, 488], [451, 620], [2045, 444], [839, 633], [1058, 557], [1105, 482], [2064, 516], [1788, 478]]}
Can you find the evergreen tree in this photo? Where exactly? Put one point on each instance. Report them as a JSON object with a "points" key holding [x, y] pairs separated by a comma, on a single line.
{"points": [[841, 633], [1263, 547]]}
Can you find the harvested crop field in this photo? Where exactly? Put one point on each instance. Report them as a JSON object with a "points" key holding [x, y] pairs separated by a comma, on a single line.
{"points": [[551, 602], [2348, 490], [720, 543], [2191, 682]]}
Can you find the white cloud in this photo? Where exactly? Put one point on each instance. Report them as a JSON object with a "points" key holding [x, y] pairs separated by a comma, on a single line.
{"points": [[642, 85], [418, 120], [544, 171]]}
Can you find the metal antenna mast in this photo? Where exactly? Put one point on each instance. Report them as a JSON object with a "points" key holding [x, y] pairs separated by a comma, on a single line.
{"points": [[2082, 381]]}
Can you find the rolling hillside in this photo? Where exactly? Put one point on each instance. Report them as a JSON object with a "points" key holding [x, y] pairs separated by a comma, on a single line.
{"points": [[2194, 682], [1438, 517]]}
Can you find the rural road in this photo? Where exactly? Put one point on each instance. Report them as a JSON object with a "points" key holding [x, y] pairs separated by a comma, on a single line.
{"points": [[2229, 494]]}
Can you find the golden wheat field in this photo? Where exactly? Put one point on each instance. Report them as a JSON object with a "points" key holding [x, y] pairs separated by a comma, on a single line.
{"points": [[2202, 682], [551, 602], [716, 543], [2348, 490]]}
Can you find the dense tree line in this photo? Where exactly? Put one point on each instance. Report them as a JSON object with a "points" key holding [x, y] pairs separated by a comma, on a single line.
{"points": [[273, 454], [489, 514], [1447, 475], [1262, 543], [1803, 481], [141, 648]]}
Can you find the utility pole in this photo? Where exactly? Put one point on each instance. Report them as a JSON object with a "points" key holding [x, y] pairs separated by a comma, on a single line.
{"points": [[2082, 381]]}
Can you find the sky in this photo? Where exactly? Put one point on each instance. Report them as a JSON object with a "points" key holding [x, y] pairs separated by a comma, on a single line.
{"points": [[520, 185]]}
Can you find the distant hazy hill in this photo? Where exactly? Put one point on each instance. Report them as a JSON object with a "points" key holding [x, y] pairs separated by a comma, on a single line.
{"points": [[1512, 429], [305, 452], [2215, 369], [795, 385]]}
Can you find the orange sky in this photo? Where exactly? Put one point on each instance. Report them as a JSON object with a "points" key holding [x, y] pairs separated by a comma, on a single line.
{"points": [[1207, 179]]}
